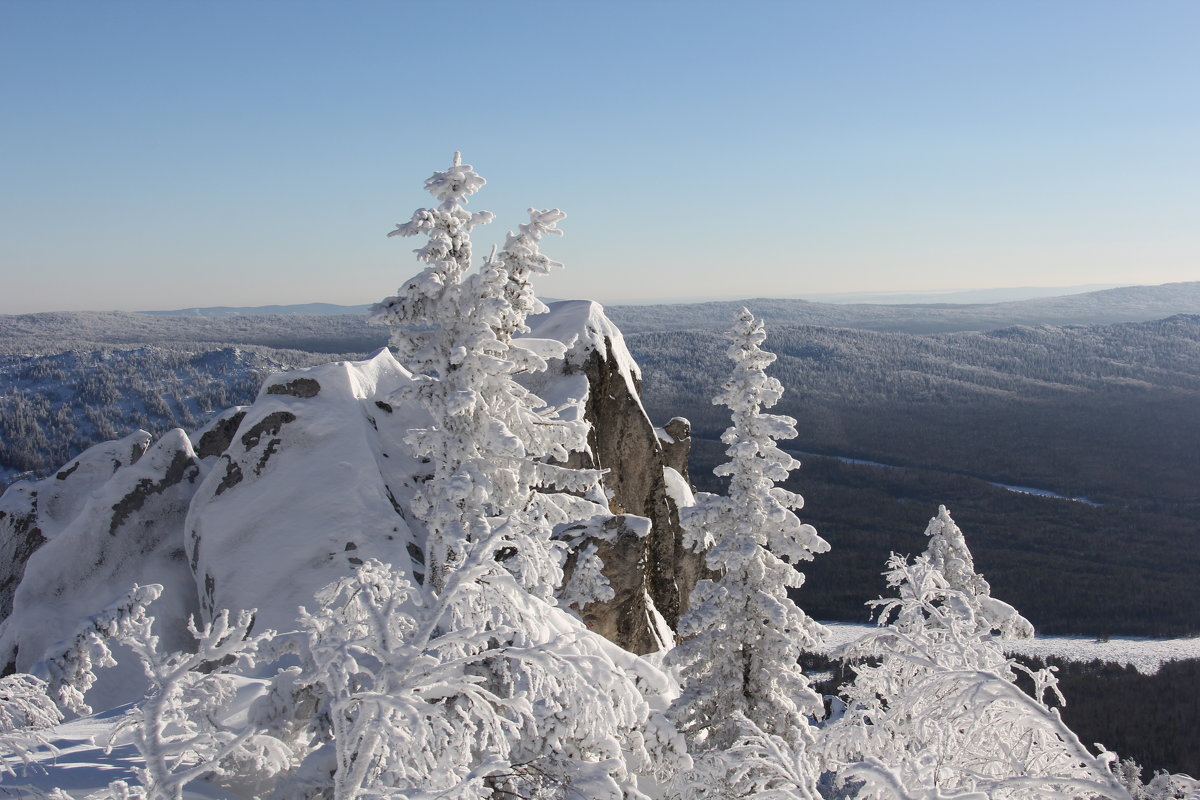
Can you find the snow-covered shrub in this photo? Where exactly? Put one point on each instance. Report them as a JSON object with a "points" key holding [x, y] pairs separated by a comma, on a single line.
{"points": [[935, 710], [182, 728], [481, 689], [1163, 786], [26, 711]]}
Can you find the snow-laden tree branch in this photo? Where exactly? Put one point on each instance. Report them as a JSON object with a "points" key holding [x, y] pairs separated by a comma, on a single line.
{"points": [[69, 666], [482, 686]]}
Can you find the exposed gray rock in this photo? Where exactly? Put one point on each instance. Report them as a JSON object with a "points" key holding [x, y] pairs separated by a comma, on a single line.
{"points": [[677, 446], [622, 543], [300, 387], [624, 442], [215, 438]]}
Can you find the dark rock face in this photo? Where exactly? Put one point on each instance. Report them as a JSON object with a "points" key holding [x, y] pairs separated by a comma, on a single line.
{"points": [[624, 442], [621, 544], [182, 467], [300, 387], [20, 536], [219, 436], [269, 425]]}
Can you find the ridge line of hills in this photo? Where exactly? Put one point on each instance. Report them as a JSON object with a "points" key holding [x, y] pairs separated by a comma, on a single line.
{"points": [[345, 329]]}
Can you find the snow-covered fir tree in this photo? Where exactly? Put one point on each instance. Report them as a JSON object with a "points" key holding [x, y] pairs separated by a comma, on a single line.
{"points": [[527, 703], [491, 441], [742, 635], [948, 553]]}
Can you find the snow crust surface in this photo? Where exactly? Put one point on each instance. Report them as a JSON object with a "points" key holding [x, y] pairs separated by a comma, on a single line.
{"points": [[1144, 655]]}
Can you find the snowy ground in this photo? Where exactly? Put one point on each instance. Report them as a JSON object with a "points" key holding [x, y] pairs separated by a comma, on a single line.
{"points": [[1144, 655]]}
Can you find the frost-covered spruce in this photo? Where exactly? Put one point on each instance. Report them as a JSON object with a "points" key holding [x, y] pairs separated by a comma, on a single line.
{"points": [[742, 635], [491, 438], [948, 553]]}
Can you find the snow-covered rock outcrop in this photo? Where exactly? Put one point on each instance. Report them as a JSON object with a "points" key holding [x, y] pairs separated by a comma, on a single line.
{"points": [[32, 512], [625, 442], [314, 482], [127, 530], [269, 502]]}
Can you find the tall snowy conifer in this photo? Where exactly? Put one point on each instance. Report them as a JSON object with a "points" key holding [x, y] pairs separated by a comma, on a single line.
{"points": [[742, 635], [490, 437], [492, 685]]}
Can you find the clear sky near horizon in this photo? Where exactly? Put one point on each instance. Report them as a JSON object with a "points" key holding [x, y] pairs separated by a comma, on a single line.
{"points": [[168, 155]]}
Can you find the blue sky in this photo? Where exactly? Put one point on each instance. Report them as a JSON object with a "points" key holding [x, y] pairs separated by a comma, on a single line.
{"points": [[166, 155]]}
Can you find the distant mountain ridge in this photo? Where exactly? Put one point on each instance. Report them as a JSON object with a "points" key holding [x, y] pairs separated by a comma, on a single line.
{"points": [[347, 331], [319, 309], [1071, 300], [1124, 304], [957, 297]]}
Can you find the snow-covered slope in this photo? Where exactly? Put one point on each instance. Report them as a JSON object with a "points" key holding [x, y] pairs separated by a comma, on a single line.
{"points": [[33, 512], [315, 481]]}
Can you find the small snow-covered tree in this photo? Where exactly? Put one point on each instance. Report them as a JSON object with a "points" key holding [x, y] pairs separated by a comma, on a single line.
{"points": [[948, 553], [935, 709], [742, 634]]}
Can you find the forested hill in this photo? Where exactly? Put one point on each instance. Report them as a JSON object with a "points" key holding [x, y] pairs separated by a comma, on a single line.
{"points": [[1125, 304], [1106, 413]]}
